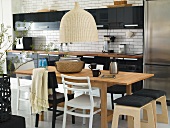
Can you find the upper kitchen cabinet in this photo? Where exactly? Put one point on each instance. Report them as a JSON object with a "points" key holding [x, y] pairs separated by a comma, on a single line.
{"points": [[126, 17], [43, 17], [39, 17], [134, 17], [116, 17], [56, 16], [112, 18], [100, 16]]}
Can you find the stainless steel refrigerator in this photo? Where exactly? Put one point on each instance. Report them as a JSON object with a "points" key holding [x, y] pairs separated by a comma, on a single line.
{"points": [[157, 44]]}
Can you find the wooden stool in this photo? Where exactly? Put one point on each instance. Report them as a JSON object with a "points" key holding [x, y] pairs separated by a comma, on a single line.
{"points": [[131, 105], [158, 96]]}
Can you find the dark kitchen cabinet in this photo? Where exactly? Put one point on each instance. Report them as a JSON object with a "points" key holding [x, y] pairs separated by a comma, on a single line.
{"points": [[134, 16], [31, 17], [122, 17], [112, 18], [100, 16], [116, 17], [39, 17], [55, 16]]}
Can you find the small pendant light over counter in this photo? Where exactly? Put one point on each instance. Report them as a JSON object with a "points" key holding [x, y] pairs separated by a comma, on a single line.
{"points": [[78, 25]]}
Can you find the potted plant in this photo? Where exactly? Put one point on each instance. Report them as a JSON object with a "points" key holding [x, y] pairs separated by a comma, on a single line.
{"points": [[5, 91]]}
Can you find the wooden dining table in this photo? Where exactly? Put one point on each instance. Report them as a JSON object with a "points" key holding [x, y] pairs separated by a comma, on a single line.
{"points": [[122, 78]]}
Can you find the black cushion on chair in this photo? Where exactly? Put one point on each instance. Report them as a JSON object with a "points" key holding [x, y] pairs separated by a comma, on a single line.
{"points": [[117, 89], [14, 122], [150, 93], [133, 100]]}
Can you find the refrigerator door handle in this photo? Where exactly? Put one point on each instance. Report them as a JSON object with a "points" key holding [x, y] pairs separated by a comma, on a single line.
{"points": [[145, 28]]}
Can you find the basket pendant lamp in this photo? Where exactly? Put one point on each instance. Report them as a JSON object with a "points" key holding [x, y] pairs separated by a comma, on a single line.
{"points": [[78, 25]]}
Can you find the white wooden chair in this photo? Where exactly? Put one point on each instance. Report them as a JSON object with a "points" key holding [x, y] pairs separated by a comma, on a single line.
{"points": [[23, 84], [84, 101]]}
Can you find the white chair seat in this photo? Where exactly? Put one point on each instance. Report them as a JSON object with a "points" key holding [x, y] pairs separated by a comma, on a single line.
{"points": [[25, 82], [83, 102], [60, 88]]}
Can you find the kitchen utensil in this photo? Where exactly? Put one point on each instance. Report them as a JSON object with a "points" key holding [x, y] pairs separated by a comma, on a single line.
{"points": [[113, 66]]}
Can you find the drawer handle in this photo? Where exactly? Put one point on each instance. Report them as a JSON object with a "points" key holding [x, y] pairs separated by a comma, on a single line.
{"points": [[16, 53], [43, 54], [88, 56], [130, 59], [53, 55]]}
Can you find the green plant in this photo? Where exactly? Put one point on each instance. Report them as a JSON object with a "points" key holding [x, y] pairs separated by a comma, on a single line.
{"points": [[23, 32], [6, 43]]}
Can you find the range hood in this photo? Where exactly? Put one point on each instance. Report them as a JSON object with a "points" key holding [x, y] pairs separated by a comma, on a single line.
{"points": [[21, 26]]}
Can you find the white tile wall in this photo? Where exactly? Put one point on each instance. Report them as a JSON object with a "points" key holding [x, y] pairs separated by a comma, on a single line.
{"points": [[34, 5], [135, 43]]}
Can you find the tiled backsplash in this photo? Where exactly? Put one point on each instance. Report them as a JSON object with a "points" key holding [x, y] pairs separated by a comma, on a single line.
{"points": [[135, 43]]}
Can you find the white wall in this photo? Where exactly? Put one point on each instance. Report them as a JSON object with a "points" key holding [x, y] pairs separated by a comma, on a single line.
{"points": [[45, 37], [34, 5]]}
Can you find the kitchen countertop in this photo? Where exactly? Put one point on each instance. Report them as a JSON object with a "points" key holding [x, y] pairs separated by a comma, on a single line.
{"points": [[83, 53]]}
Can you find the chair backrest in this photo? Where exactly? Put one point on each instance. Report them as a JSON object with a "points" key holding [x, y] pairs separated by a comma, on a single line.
{"points": [[99, 66], [52, 81], [24, 66], [78, 84], [52, 84]]}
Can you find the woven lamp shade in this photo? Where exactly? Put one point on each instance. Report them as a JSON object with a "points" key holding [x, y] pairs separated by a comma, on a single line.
{"points": [[78, 25]]}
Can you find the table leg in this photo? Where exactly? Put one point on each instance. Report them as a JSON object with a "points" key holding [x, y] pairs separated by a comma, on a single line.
{"points": [[129, 89], [129, 118], [41, 116], [104, 107]]}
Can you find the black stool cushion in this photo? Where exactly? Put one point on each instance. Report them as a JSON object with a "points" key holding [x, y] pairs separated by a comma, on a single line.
{"points": [[150, 93], [133, 100], [14, 122], [117, 89]]}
